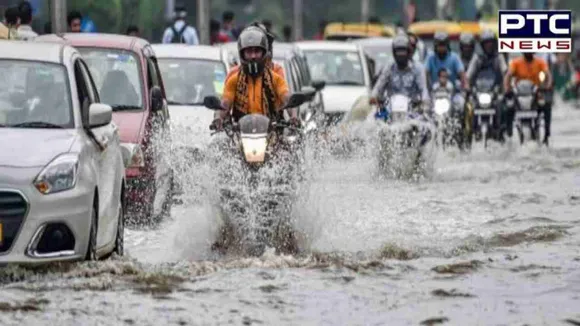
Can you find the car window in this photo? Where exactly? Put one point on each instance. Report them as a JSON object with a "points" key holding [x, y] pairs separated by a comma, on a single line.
{"points": [[35, 92], [87, 82], [117, 76], [336, 67], [152, 77], [306, 80], [82, 92], [382, 54], [295, 75], [158, 74], [188, 81]]}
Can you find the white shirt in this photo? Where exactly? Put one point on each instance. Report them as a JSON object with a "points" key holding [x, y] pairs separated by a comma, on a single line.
{"points": [[26, 33], [189, 34]]}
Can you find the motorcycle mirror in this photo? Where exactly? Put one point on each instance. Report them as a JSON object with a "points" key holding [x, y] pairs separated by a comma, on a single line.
{"points": [[212, 103], [318, 85], [296, 99]]}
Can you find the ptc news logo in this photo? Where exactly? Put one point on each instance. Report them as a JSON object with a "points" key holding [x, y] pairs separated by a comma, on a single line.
{"points": [[535, 31]]}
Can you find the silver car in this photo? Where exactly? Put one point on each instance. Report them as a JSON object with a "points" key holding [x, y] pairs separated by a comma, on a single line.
{"points": [[61, 168]]}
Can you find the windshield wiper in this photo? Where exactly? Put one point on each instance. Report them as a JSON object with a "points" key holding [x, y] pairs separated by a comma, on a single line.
{"points": [[181, 103], [126, 107], [36, 124], [346, 82]]}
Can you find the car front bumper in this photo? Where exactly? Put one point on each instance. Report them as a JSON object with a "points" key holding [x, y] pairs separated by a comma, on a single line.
{"points": [[71, 208]]}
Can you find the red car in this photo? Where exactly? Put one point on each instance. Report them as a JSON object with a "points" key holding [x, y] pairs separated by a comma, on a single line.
{"points": [[126, 73]]}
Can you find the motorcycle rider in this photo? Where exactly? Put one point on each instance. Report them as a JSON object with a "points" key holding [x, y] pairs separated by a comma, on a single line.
{"points": [[529, 67], [442, 57], [274, 66], [404, 76], [466, 48], [488, 62], [255, 88]]}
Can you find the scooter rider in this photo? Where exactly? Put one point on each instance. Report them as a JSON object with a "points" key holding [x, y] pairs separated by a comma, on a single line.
{"points": [[466, 48], [490, 63], [529, 67], [255, 88], [404, 76]]}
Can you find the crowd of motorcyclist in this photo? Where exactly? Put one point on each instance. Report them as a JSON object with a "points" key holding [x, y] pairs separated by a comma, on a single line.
{"points": [[458, 73], [259, 87]]}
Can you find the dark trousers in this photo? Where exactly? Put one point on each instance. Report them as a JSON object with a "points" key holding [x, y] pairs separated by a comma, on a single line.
{"points": [[510, 114]]}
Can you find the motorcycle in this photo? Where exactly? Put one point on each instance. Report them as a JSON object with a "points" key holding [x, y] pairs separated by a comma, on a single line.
{"points": [[485, 98], [404, 137], [260, 219], [526, 100], [447, 118]]}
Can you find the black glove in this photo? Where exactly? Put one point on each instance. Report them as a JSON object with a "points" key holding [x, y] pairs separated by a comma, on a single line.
{"points": [[216, 124], [294, 122]]}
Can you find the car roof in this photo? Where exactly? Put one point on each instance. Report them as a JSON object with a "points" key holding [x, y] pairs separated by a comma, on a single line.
{"points": [[116, 41], [45, 52], [283, 49], [184, 51], [373, 41], [327, 46]]}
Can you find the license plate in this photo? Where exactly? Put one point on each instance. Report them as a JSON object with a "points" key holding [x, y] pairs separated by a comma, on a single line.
{"points": [[485, 112], [526, 115], [1, 234]]}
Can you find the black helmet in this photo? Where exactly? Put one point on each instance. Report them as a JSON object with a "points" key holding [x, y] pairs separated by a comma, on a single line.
{"points": [[466, 45], [466, 39], [268, 35], [252, 37], [401, 42], [441, 38], [487, 36]]}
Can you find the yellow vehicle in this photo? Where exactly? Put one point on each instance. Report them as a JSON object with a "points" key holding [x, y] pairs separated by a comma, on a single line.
{"points": [[493, 25], [425, 30], [343, 32]]}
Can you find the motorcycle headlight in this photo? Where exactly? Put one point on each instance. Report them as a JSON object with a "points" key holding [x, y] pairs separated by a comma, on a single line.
{"points": [[255, 148], [59, 175], [133, 155], [441, 106], [484, 99]]}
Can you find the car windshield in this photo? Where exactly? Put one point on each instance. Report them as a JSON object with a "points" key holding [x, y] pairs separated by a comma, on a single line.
{"points": [[117, 78], [336, 67], [188, 81], [34, 95], [383, 54]]}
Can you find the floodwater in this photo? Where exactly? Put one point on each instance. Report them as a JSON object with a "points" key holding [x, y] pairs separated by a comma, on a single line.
{"points": [[489, 238]]}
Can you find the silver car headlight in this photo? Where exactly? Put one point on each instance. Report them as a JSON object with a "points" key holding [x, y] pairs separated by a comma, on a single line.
{"points": [[59, 175], [133, 155]]}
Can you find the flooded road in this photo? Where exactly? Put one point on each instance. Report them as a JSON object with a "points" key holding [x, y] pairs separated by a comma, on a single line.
{"points": [[490, 238]]}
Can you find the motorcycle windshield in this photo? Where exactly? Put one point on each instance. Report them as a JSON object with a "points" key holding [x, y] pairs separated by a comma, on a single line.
{"points": [[485, 84], [525, 87], [254, 124], [441, 93]]}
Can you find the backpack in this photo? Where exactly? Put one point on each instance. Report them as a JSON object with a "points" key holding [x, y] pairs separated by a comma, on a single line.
{"points": [[178, 36]]}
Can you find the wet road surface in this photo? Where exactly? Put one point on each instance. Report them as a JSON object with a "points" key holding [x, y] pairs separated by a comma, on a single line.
{"points": [[491, 238]]}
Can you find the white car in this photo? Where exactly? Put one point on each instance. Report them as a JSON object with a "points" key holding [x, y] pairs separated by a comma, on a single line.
{"points": [[61, 169], [345, 69], [191, 73]]}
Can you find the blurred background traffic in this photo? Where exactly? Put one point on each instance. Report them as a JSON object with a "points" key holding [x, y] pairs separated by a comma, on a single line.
{"points": [[292, 19]]}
